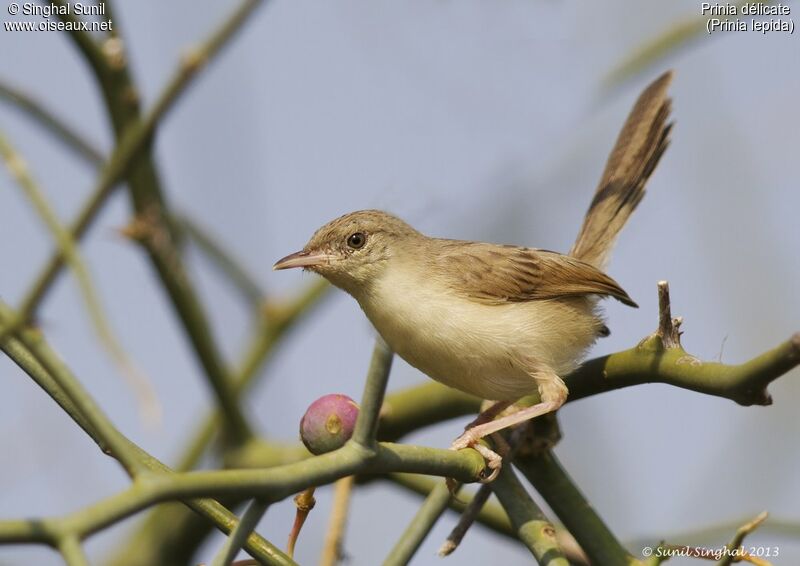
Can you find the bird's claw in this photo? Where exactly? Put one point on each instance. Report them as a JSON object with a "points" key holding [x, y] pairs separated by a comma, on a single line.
{"points": [[494, 461]]}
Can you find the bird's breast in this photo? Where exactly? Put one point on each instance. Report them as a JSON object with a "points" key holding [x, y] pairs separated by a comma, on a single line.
{"points": [[492, 351]]}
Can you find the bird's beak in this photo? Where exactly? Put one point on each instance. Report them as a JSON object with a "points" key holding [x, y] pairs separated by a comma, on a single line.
{"points": [[302, 259]]}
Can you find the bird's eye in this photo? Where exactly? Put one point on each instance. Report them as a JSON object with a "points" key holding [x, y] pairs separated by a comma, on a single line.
{"points": [[357, 240]]}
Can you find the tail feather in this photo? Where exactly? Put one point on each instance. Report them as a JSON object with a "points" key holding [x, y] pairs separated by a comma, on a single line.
{"points": [[640, 145]]}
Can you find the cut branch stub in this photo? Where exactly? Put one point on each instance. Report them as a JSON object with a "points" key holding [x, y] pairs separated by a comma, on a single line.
{"points": [[668, 327]]}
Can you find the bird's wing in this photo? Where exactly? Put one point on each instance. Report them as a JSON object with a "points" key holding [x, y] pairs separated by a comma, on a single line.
{"points": [[496, 274]]}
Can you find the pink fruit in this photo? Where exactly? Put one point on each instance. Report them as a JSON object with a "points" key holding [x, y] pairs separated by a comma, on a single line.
{"points": [[328, 423]]}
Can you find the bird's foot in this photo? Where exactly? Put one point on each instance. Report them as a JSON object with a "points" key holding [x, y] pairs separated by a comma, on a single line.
{"points": [[494, 461]]}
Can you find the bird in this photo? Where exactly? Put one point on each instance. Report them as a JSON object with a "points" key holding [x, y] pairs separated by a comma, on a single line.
{"points": [[498, 321]]}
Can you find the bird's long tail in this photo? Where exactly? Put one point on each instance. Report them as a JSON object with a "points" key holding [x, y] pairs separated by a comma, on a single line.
{"points": [[640, 144]]}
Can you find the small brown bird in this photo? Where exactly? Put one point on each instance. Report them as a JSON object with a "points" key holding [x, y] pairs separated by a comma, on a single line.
{"points": [[497, 321]]}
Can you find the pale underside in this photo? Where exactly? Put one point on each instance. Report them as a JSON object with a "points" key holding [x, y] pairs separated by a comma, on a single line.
{"points": [[500, 351]]}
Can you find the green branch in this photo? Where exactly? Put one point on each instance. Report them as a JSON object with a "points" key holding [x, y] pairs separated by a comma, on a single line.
{"points": [[568, 503], [273, 484], [650, 362], [51, 531], [417, 530], [159, 484], [269, 485], [366, 428], [529, 522]]}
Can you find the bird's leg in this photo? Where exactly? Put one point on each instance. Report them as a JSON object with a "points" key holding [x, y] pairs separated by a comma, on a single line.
{"points": [[493, 408], [553, 394]]}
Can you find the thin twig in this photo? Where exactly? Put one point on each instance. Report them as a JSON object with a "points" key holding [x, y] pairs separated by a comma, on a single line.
{"points": [[252, 515], [149, 405], [304, 502], [332, 547], [468, 517]]}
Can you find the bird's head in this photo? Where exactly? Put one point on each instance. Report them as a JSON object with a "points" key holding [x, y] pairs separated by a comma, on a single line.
{"points": [[354, 250]]}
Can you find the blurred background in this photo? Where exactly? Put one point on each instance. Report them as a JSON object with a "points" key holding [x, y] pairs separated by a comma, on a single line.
{"points": [[473, 120]]}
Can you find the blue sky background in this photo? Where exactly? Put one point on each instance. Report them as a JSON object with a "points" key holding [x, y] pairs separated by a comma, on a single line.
{"points": [[471, 120]]}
